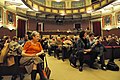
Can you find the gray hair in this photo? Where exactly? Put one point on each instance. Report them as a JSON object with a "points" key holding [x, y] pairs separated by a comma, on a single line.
{"points": [[34, 33]]}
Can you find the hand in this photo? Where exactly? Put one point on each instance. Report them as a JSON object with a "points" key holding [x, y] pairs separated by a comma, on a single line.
{"points": [[33, 55], [87, 50], [96, 42]]}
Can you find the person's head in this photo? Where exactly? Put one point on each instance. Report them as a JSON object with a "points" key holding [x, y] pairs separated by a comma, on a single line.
{"points": [[99, 38], [109, 37], [26, 37], [68, 38], [83, 34], [58, 39], [35, 36], [6, 38], [91, 36], [15, 38]]}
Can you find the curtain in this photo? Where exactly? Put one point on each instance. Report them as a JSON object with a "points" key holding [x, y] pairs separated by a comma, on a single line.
{"points": [[97, 28]]}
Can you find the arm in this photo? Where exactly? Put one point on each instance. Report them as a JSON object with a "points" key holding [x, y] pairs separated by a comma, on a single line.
{"points": [[80, 46], [29, 55], [42, 52]]}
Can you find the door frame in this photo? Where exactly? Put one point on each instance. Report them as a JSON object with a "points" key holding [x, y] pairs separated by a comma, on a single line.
{"points": [[19, 17], [94, 20]]}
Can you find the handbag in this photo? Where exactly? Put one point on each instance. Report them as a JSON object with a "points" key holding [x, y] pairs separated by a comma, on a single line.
{"points": [[47, 69], [10, 60]]}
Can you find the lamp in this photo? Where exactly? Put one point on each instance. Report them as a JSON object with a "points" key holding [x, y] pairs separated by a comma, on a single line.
{"points": [[119, 27], [107, 30], [1, 26]]}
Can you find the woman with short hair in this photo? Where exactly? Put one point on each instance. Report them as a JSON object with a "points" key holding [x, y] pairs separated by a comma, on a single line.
{"points": [[31, 51]]}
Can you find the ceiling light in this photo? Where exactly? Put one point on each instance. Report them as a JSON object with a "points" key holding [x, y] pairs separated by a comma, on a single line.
{"points": [[58, 0], [77, 0], [62, 14], [89, 11]]}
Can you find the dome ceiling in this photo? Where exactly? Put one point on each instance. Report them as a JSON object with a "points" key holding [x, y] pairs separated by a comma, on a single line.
{"points": [[63, 3], [62, 9], [66, 7]]}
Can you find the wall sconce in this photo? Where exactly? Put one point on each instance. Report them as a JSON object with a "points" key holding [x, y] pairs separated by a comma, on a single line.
{"points": [[107, 30], [11, 30], [1, 26], [119, 27]]}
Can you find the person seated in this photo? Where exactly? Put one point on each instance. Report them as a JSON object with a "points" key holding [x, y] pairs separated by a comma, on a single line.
{"points": [[104, 41], [31, 60], [59, 47], [51, 45], [91, 38], [84, 48], [99, 48], [4, 43], [67, 48], [14, 49], [4, 49], [112, 42]]}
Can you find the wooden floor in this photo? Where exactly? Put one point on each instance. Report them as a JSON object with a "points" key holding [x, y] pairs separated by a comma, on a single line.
{"points": [[63, 71]]}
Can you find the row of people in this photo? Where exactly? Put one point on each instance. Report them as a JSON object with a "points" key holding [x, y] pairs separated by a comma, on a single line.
{"points": [[30, 54], [89, 45]]}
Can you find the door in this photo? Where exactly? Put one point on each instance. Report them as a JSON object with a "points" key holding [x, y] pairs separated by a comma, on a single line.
{"points": [[21, 28], [97, 28]]}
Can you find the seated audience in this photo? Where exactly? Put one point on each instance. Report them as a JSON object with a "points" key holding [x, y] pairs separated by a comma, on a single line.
{"points": [[51, 46], [99, 49], [84, 48], [67, 48], [59, 47]]}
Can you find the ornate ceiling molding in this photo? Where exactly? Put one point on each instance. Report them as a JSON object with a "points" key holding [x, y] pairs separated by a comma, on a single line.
{"points": [[60, 11]]}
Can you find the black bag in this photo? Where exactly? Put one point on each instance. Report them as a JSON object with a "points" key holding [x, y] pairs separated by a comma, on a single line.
{"points": [[73, 59], [47, 69], [112, 66]]}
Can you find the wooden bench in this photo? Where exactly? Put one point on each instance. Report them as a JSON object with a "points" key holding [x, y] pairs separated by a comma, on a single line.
{"points": [[14, 70]]}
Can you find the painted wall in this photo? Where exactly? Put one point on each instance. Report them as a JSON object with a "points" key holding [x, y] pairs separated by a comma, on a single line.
{"points": [[53, 26], [32, 23]]}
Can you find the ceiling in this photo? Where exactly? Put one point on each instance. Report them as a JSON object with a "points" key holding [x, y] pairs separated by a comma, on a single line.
{"points": [[51, 10]]}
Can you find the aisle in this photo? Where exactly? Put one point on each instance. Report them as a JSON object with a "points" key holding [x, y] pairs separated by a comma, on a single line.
{"points": [[63, 71]]}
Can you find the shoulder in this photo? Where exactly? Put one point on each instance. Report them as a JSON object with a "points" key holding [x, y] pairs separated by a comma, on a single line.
{"points": [[28, 42], [79, 40]]}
